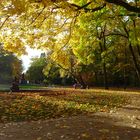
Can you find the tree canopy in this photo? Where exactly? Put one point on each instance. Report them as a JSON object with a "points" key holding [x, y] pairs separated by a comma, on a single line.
{"points": [[41, 23]]}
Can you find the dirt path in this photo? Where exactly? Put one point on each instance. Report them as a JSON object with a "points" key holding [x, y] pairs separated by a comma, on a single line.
{"points": [[123, 124]]}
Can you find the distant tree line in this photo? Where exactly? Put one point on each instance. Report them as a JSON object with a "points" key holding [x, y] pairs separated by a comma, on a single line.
{"points": [[119, 74], [40, 72]]}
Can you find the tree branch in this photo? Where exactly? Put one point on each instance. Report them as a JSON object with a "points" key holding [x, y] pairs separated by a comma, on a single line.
{"points": [[84, 7], [126, 5], [117, 34], [97, 8], [4, 22], [81, 7], [37, 16]]}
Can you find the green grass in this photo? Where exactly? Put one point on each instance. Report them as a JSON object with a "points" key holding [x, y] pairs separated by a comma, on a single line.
{"points": [[36, 106], [4, 87], [31, 87]]}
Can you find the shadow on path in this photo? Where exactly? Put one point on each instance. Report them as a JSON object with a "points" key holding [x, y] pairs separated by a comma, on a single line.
{"points": [[93, 127]]}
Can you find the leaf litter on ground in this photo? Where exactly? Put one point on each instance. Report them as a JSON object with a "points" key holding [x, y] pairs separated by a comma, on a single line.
{"points": [[35, 106]]}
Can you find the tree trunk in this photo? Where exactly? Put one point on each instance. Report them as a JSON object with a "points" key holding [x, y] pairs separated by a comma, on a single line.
{"points": [[136, 38], [105, 76], [82, 82], [138, 48], [124, 70], [96, 78], [135, 61], [137, 68], [104, 69]]}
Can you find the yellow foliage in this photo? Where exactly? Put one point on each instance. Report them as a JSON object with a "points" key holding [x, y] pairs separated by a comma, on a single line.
{"points": [[62, 58], [14, 45]]}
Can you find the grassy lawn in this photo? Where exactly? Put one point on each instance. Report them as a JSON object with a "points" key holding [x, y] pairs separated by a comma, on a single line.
{"points": [[31, 87], [4, 87], [58, 103]]}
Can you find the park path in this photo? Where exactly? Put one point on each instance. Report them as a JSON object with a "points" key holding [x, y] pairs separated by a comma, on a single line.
{"points": [[121, 124]]}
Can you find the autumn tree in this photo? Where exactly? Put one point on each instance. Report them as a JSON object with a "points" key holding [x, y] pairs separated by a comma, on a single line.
{"points": [[61, 25]]}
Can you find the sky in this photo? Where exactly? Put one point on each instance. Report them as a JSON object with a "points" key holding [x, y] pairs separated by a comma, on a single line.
{"points": [[26, 59]]}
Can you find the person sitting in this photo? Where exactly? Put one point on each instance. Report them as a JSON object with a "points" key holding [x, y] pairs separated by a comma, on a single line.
{"points": [[15, 86]]}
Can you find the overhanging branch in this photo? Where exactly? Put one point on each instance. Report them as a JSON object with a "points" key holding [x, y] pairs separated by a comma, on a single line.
{"points": [[126, 5], [84, 7]]}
